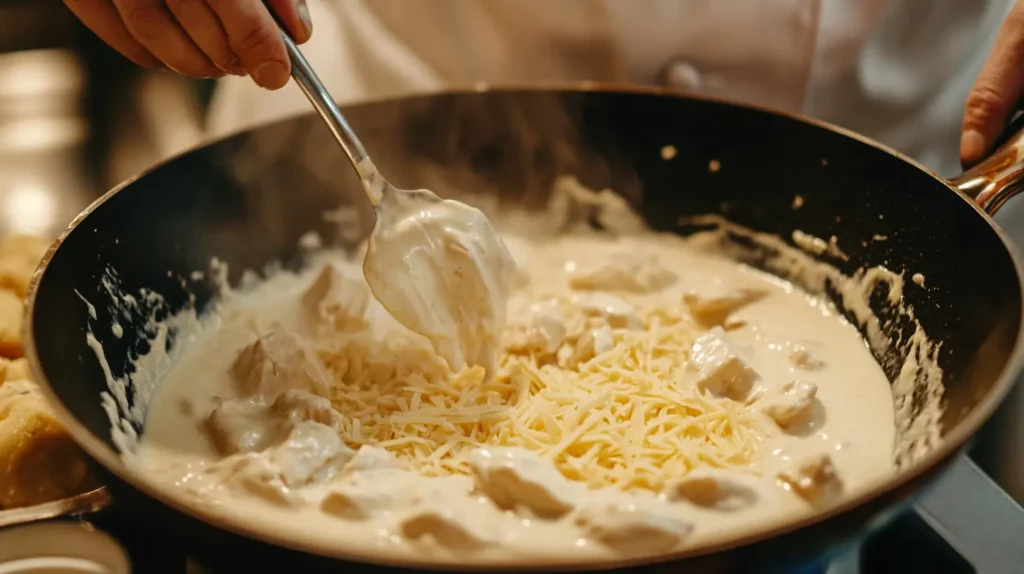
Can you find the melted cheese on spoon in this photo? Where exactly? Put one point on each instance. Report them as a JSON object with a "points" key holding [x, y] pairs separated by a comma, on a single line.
{"points": [[440, 269]]}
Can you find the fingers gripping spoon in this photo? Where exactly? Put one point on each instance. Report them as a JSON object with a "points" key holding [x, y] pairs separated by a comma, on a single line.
{"points": [[436, 265]]}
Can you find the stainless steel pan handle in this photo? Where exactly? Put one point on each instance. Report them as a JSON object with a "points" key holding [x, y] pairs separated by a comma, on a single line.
{"points": [[999, 177]]}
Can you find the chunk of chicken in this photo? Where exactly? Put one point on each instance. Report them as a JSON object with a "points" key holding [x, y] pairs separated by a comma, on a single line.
{"points": [[617, 313], [295, 405], [311, 454], [592, 343], [573, 205], [246, 425], [440, 513], [795, 406], [547, 327], [814, 479], [802, 359], [711, 303], [631, 529], [277, 362], [371, 459], [624, 273], [712, 489], [540, 328], [258, 476], [723, 369], [358, 501], [336, 298], [515, 478], [444, 527], [236, 426], [369, 483]]}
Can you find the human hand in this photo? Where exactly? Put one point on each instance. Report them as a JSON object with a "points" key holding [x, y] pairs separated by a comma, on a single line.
{"points": [[997, 91], [200, 38]]}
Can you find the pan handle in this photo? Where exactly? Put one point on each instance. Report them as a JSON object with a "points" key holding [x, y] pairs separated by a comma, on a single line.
{"points": [[999, 177], [976, 517], [86, 503]]}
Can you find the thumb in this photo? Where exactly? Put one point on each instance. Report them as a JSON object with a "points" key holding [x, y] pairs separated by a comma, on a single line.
{"points": [[996, 91], [294, 14]]}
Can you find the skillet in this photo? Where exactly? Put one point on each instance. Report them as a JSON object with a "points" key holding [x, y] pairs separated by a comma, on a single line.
{"points": [[248, 199]]}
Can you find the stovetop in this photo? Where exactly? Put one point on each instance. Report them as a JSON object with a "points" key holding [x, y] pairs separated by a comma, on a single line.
{"points": [[963, 524]]}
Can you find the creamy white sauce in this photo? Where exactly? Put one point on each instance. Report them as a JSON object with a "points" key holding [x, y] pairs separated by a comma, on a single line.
{"points": [[441, 270], [279, 461], [244, 424], [817, 245]]}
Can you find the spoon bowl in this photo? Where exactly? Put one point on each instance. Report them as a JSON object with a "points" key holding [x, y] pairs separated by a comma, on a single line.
{"points": [[436, 265]]}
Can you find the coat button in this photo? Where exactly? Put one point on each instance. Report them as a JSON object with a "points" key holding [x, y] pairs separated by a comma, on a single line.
{"points": [[682, 76]]}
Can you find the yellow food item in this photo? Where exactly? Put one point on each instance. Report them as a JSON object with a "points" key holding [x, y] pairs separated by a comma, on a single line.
{"points": [[38, 460], [19, 257], [16, 370], [610, 407], [10, 324]]}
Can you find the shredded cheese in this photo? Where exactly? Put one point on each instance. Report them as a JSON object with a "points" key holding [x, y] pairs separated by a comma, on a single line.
{"points": [[630, 417]]}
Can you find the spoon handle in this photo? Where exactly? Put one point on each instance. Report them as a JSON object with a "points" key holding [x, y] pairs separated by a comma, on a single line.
{"points": [[314, 89]]}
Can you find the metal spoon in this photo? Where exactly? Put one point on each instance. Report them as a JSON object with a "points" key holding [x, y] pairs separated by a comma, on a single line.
{"points": [[436, 265], [375, 185]]}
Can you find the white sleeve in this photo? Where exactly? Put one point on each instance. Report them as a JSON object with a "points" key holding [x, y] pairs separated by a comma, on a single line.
{"points": [[898, 71]]}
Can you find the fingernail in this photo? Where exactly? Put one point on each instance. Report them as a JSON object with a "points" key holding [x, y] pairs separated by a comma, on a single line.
{"points": [[234, 67], [303, 11], [972, 145], [270, 74]]}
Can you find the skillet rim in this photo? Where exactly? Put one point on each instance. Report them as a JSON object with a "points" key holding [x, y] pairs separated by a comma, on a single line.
{"points": [[952, 443]]}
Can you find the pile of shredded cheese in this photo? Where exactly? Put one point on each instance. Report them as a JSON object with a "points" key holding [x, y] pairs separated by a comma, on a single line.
{"points": [[630, 417]]}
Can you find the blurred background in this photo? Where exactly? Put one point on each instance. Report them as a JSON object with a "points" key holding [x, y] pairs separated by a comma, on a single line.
{"points": [[76, 118]]}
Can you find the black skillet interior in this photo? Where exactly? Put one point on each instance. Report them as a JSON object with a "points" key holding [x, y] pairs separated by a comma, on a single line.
{"points": [[247, 200]]}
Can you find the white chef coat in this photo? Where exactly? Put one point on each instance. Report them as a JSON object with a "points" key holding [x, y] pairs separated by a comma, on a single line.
{"points": [[897, 71]]}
